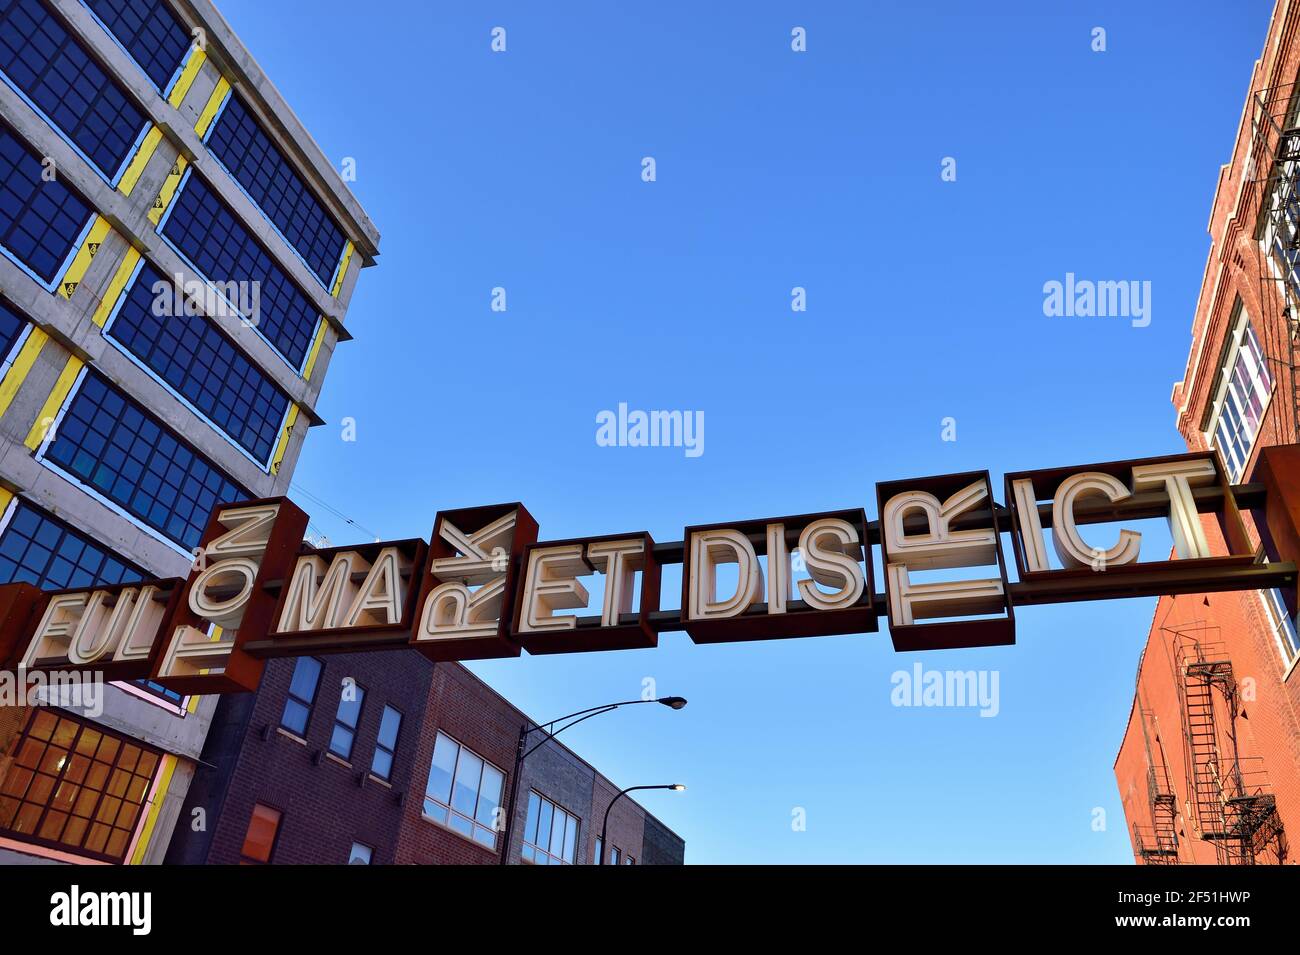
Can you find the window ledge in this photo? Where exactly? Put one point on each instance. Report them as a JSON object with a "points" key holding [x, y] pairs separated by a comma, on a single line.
{"points": [[342, 762], [1291, 668], [375, 779], [293, 736], [460, 835]]}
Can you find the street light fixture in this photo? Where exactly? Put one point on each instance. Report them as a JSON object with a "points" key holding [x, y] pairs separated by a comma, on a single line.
{"points": [[604, 845], [522, 751]]}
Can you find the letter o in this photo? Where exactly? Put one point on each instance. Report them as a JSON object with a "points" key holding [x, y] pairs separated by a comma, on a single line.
{"points": [[227, 613]]}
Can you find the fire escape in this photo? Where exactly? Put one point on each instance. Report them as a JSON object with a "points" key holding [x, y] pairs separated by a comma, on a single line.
{"points": [[1230, 799], [1157, 844]]}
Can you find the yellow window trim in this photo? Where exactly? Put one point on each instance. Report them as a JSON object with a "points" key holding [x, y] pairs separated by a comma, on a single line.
{"points": [[54, 402], [22, 365], [140, 160], [169, 186], [314, 353], [115, 287], [210, 110], [151, 820], [99, 231], [183, 83], [343, 269], [282, 448]]}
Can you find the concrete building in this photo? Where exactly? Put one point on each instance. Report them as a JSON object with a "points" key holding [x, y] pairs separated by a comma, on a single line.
{"points": [[177, 256], [388, 758], [1209, 768]]}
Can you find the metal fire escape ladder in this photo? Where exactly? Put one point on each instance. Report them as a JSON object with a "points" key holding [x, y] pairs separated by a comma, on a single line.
{"points": [[1230, 798], [1159, 844]]}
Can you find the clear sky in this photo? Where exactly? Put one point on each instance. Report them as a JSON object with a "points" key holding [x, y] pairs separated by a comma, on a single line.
{"points": [[775, 169]]}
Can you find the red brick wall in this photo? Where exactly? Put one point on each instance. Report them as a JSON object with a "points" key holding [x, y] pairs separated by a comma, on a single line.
{"points": [[1267, 726]]}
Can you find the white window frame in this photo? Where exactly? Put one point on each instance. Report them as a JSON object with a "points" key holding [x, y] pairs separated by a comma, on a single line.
{"points": [[1236, 468], [542, 855], [1280, 620], [476, 827]]}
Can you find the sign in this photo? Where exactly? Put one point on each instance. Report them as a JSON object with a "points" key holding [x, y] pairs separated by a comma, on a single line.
{"points": [[484, 586]]}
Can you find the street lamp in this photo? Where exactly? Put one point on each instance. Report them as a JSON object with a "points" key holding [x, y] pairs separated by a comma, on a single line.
{"points": [[522, 752], [604, 845]]}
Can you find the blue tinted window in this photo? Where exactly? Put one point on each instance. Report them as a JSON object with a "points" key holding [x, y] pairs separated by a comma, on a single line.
{"points": [[257, 165], [302, 693], [39, 221], [204, 366], [109, 442], [40, 549], [149, 31], [223, 250], [11, 326], [43, 60]]}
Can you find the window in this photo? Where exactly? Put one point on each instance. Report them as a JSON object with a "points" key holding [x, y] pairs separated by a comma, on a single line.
{"points": [[72, 785], [1245, 386], [160, 691], [11, 329], [48, 66], [600, 847], [390, 725], [302, 693], [111, 444], [346, 719], [259, 841], [222, 249], [613, 855], [550, 834], [360, 854], [464, 792], [253, 161], [41, 550], [1284, 628], [149, 32], [40, 222], [201, 365], [628, 860]]}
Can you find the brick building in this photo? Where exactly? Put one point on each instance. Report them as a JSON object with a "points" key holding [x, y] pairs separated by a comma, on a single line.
{"points": [[388, 758], [177, 256], [1209, 768]]}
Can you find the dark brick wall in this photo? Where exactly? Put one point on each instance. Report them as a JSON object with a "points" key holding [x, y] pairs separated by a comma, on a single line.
{"points": [[324, 808]]}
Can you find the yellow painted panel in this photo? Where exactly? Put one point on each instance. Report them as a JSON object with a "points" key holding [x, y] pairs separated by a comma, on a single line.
{"points": [[186, 79], [55, 401], [343, 269], [140, 160], [120, 278], [18, 371], [151, 820], [169, 186], [99, 231], [5, 497], [214, 104], [282, 448], [314, 353]]}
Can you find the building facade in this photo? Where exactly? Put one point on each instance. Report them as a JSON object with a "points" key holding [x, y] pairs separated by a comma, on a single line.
{"points": [[1209, 768], [387, 758], [177, 256]]}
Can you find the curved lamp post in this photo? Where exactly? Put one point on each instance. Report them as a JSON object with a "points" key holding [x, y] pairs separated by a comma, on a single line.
{"points": [[604, 845], [523, 751]]}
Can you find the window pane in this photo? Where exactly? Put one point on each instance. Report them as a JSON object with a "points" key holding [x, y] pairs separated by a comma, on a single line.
{"points": [[534, 810], [570, 837], [306, 674], [544, 825], [350, 705], [360, 854], [489, 797], [341, 742], [444, 765], [464, 794], [388, 727], [295, 717], [260, 837], [381, 764]]}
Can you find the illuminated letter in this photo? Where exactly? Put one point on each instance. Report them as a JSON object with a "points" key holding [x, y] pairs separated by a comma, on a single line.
{"points": [[1178, 478], [1070, 547], [309, 608], [452, 612], [1031, 527], [618, 561], [828, 547], [708, 550], [380, 600], [938, 546], [549, 586]]}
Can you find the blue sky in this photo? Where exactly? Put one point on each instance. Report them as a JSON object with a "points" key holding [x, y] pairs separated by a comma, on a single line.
{"points": [[775, 169]]}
